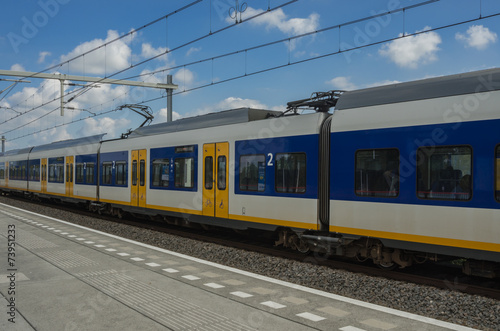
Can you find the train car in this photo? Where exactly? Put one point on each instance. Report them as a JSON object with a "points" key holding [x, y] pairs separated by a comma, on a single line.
{"points": [[14, 164], [65, 170], [238, 169], [414, 167]]}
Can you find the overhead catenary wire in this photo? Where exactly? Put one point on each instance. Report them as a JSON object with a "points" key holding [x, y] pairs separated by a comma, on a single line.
{"points": [[81, 91], [290, 64], [404, 35]]}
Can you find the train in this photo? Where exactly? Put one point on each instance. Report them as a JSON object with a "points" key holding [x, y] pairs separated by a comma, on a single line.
{"points": [[397, 174]]}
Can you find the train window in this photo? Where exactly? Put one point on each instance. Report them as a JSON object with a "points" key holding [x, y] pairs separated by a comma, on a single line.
{"points": [[56, 170], [377, 173], [497, 186], [221, 172], [134, 173], [253, 173], [121, 173], [60, 173], [444, 173], [2, 170], [52, 172], [34, 172], [209, 172], [290, 173], [107, 172], [80, 174], [184, 172], [161, 176], [89, 173], [142, 172]]}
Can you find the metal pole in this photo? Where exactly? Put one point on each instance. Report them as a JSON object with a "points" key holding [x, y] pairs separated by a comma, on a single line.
{"points": [[3, 144], [169, 99]]}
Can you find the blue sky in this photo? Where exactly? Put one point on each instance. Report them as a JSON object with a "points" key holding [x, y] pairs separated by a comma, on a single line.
{"points": [[36, 35]]}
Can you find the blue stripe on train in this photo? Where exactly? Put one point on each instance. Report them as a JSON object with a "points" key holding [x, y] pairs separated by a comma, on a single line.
{"points": [[482, 136]]}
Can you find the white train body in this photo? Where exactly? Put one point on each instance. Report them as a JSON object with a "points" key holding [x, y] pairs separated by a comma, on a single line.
{"points": [[397, 173]]}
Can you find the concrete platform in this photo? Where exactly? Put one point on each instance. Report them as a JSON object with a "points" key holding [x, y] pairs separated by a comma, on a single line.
{"points": [[58, 276]]}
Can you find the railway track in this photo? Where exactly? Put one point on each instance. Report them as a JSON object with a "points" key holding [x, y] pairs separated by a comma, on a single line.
{"points": [[442, 276]]}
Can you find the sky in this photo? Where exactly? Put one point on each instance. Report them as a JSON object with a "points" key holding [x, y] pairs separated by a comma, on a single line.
{"points": [[259, 54]]}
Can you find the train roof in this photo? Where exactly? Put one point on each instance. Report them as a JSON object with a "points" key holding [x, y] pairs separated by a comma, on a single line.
{"points": [[437, 87], [234, 116], [69, 143], [17, 151]]}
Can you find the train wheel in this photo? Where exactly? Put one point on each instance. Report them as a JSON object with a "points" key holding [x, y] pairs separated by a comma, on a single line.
{"points": [[387, 266], [300, 245]]}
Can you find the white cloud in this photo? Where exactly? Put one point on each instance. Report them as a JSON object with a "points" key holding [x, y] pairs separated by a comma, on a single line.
{"points": [[477, 36], [193, 50], [114, 57], [101, 95], [113, 127], [42, 56], [278, 19], [149, 51], [49, 136], [17, 67], [411, 51], [184, 78], [342, 83], [161, 116]]}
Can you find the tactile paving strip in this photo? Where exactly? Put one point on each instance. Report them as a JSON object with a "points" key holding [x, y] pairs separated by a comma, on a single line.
{"points": [[31, 241], [161, 306], [67, 259]]}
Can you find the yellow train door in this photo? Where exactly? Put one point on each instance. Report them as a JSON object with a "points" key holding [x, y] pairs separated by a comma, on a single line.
{"points": [[43, 176], [215, 180], [69, 175], [138, 187]]}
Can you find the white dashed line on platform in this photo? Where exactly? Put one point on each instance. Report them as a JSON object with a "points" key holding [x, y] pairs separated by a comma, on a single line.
{"points": [[170, 270], [242, 294], [214, 285], [191, 277], [273, 304], [311, 317], [137, 259]]}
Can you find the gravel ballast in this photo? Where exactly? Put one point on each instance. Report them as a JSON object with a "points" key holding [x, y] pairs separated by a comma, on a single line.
{"points": [[447, 305]]}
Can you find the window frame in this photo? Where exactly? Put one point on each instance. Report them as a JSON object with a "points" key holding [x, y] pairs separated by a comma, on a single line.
{"points": [[121, 178], [159, 164], [104, 176], [80, 173], [242, 176], [276, 162], [90, 175], [221, 173], [384, 175], [57, 166], [192, 173], [208, 176], [429, 195]]}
